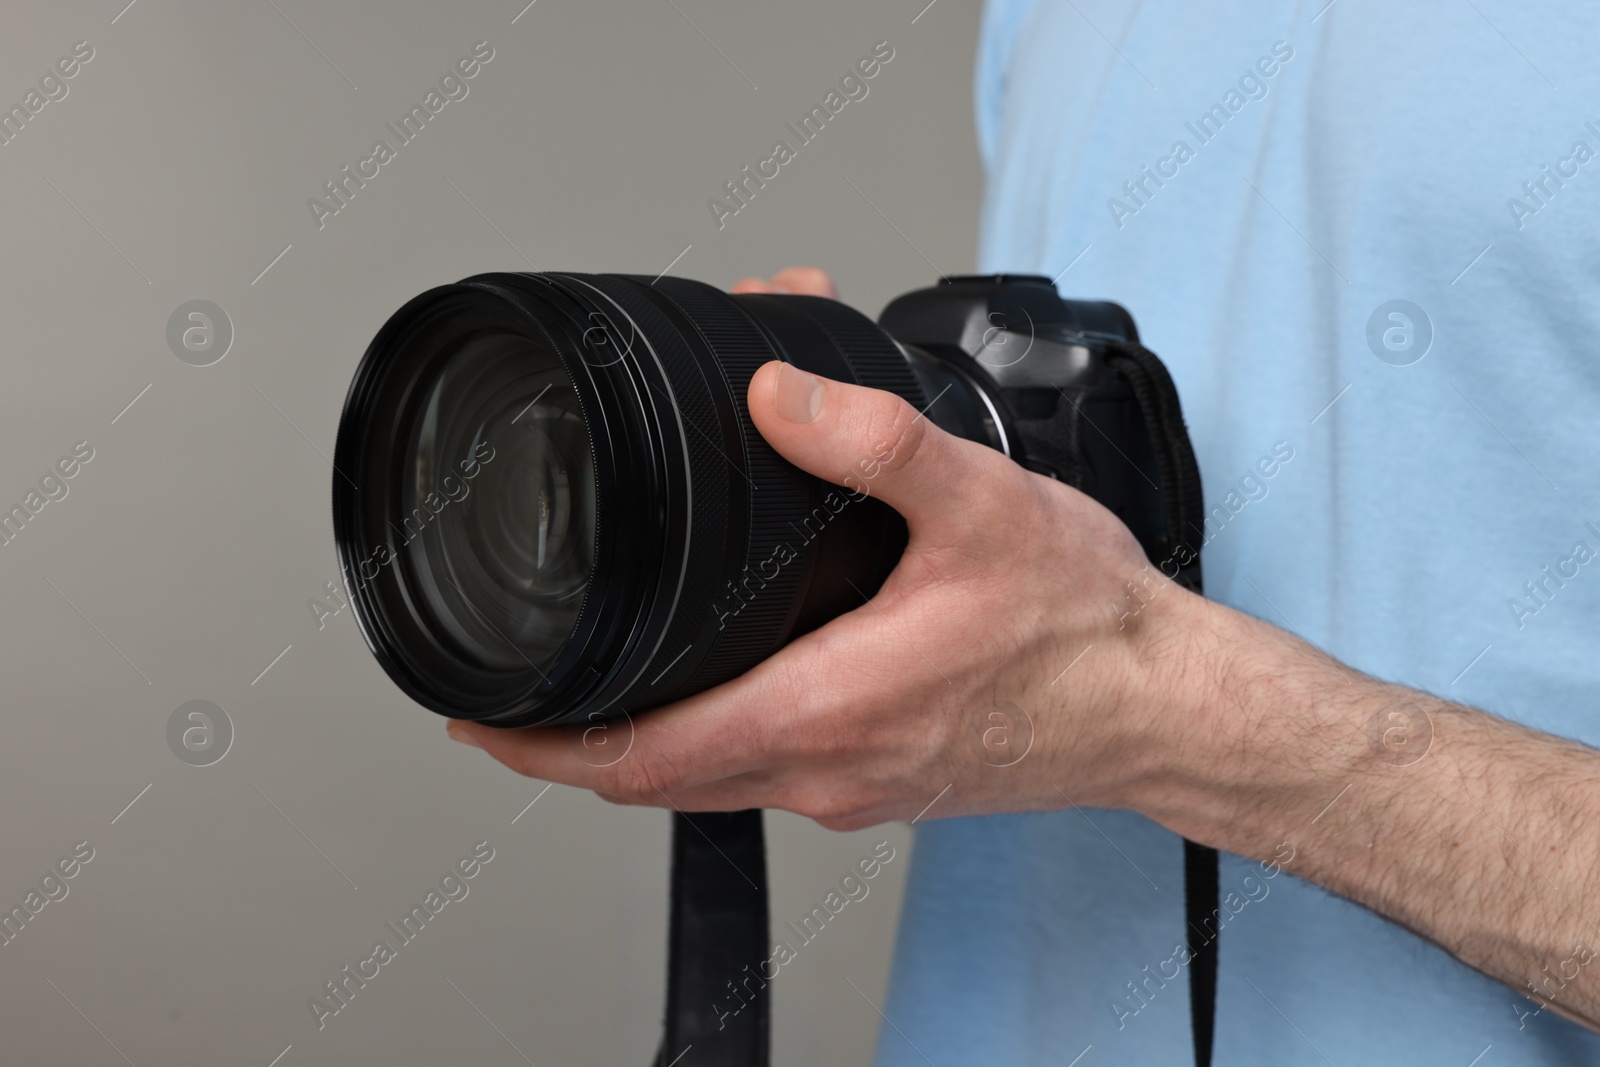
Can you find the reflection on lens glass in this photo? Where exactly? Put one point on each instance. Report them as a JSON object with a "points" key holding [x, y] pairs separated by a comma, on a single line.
{"points": [[499, 507]]}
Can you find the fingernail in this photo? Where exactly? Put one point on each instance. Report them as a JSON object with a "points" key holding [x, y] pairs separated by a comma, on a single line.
{"points": [[798, 395], [460, 733]]}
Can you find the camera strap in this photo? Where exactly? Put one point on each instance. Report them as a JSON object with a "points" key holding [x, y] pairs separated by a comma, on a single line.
{"points": [[717, 929], [718, 1007], [1176, 550]]}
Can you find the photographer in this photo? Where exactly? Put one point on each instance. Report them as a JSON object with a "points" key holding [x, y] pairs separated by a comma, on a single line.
{"points": [[1426, 553]]}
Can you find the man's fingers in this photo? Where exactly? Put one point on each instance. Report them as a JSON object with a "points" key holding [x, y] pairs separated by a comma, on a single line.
{"points": [[707, 738], [589, 757], [798, 281], [738, 793], [806, 281], [871, 441]]}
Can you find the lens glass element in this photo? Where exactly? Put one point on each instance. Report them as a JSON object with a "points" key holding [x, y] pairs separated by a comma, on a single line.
{"points": [[498, 507]]}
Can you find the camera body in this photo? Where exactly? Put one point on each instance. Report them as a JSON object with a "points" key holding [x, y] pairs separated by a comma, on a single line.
{"points": [[1052, 395]]}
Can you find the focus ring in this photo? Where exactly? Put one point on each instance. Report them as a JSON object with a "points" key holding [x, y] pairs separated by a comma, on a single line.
{"points": [[757, 610]]}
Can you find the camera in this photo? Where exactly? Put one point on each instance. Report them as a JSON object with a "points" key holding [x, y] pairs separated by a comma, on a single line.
{"points": [[551, 505]]}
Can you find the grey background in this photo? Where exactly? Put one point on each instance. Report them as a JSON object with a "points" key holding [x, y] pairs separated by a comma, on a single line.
{"points": [[181, 561]]}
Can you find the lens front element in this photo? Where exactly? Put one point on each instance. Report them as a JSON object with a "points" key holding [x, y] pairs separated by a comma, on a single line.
{"points": [[503, 574]]}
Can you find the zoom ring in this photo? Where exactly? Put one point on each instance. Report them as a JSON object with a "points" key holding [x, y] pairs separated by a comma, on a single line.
{"points": [[754, 602]]}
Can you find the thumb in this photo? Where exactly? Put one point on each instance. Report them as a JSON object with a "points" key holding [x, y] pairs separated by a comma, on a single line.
{"points": [[870, 441]]}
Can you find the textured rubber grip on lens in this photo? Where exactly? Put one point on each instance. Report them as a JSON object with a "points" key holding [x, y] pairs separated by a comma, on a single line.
{"points": [[757, 611], [874, 358]]}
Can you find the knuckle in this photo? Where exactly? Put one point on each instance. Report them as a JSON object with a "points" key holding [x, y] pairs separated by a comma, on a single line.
{"points": [[896, 434], [641, 779], [857, 819], [830, 808], [812, 280]]}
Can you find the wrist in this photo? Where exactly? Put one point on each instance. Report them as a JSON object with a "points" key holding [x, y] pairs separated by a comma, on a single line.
{"points": [[1258, 731]]}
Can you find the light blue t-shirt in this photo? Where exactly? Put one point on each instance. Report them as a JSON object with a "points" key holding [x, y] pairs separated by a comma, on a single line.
{"points": [[1260, 183]]}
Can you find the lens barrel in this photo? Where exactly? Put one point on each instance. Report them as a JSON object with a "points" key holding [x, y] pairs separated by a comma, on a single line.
{"points": [[551, 504]]}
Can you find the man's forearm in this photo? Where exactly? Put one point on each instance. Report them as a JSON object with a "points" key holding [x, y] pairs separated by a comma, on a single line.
{"points": [[1475, 833]]}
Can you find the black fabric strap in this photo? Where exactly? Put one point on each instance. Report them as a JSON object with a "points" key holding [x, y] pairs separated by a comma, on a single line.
{"points": [[1180, 473], [1201, 899], [1177, 552], [717, 998]]}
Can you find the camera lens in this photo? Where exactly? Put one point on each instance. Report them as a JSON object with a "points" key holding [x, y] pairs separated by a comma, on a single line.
{"points": [[550, 502], [503, 574]]}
